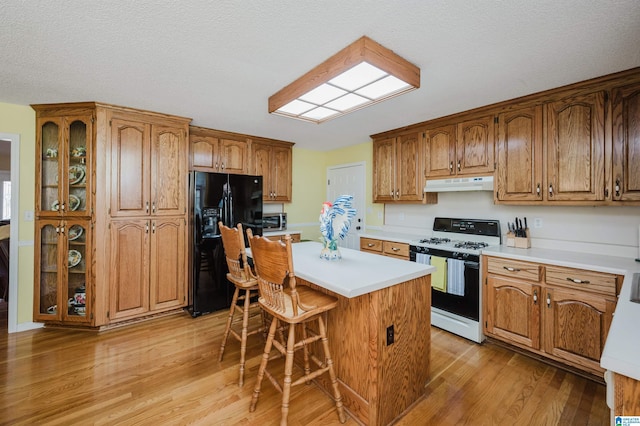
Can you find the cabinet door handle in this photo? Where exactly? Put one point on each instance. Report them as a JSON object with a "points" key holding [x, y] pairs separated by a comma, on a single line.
{"points": [[215, 166], [578, 281], [395, 249], [397, 193], [538, 190], [511, 269], [458, 165], [62, 206], [62, 229], [146, 207], [535, 297], [222, 166], [550, 190], [370, 245], [146, 228], [548, 300], [153, 207], [451, 166], [617, 187], [153, 228]]}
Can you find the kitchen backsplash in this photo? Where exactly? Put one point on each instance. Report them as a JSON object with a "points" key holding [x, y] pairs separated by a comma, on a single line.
{"points": [[600, 230]]}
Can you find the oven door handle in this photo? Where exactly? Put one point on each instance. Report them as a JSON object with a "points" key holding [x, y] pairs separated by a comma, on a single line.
{"points": [[472, 265]]}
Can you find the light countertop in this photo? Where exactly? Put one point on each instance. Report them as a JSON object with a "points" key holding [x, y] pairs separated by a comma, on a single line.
{"points": [[357, 273], [622, 348]]}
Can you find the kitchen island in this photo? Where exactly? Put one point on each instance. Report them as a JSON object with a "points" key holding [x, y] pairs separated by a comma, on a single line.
{"points": [[379, 333]]}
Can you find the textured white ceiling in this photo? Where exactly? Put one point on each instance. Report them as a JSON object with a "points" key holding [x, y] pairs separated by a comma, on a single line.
{"points": [[219, 61]]}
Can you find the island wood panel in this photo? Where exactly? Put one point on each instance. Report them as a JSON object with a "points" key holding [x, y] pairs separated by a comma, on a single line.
{"points": [[626, 396], [379, 382]]}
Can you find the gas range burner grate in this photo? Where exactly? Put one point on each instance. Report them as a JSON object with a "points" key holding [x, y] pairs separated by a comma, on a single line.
{"points": [[434, 240], [473, 245]]}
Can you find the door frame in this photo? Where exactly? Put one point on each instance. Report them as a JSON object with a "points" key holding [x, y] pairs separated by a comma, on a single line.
{"points": [[14, 140]]}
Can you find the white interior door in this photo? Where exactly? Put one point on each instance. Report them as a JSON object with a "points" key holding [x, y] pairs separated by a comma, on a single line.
{"points": [[349, 179]]}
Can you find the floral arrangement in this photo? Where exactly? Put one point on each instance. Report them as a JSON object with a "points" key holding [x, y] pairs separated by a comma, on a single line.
{"points": [[335, 221]]}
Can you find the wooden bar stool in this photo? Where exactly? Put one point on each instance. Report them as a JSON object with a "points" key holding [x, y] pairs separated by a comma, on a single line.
{"points": [[295, 306], [242, 277]]}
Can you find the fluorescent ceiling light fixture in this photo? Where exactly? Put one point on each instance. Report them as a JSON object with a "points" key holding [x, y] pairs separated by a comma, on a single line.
{"points": [[360, 75]]}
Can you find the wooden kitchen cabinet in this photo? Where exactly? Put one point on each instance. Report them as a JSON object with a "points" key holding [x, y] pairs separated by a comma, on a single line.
{"points": [[440, 151], [99, 166], [149, 168], [385, 247], [218, 152], [273, 161], [397, 170], [575, 147], [475, 146], [519, 155], [295, 237], [63, 173], [63, 270], [464, 148], [150, 266], [626, 142], [371, 245], [557, 312]]}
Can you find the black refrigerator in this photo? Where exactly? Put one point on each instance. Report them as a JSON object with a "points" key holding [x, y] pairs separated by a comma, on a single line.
{"points": [[215, 197]]}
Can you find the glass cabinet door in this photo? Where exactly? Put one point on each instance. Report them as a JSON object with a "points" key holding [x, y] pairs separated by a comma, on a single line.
{"points": [[50, 139], [49, 269], [79, 141], [78, 263], [64, 171]]}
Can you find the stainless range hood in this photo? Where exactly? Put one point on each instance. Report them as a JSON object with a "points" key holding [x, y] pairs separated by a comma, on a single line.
{"points": [[482, 183]]}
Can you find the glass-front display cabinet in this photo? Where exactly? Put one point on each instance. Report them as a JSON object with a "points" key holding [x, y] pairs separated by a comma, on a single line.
{"points": [[63, 268], [64, 145]]}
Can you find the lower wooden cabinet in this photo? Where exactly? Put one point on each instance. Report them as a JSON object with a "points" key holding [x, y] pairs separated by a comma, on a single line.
{"points": [[148, 266], [385, 247], [560, 313]]}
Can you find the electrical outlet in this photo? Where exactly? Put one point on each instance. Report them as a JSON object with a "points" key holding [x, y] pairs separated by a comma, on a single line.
{"points": [[537, 222], [390, 335]]}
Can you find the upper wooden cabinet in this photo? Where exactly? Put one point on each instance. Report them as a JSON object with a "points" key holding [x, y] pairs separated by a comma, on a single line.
{"points": [[149, 167], [440, 151], [475, 146], [63, 145], [575, 148], [573, 145], [220, 152], [397, 169], [464, 148], [626, 142], [519, 155], [273, 161]]}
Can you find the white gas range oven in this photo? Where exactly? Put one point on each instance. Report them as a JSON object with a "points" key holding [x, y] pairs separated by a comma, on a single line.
{"points": [[456, 295]]}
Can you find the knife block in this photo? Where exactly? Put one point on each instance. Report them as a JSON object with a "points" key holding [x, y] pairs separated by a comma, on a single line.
{"points": [[519, 242]]}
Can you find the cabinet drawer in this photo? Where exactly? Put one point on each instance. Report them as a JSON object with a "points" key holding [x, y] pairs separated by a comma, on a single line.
{"points": [[370, 244], [295, 238], [395, 249], [513, 268], [580, 279]]}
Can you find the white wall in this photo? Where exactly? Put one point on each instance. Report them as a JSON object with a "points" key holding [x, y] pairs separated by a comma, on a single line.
{"points": [[603, 230]]}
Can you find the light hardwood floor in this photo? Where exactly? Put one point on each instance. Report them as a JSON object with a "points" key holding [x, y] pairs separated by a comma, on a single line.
{"points": [[166, 371]]}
